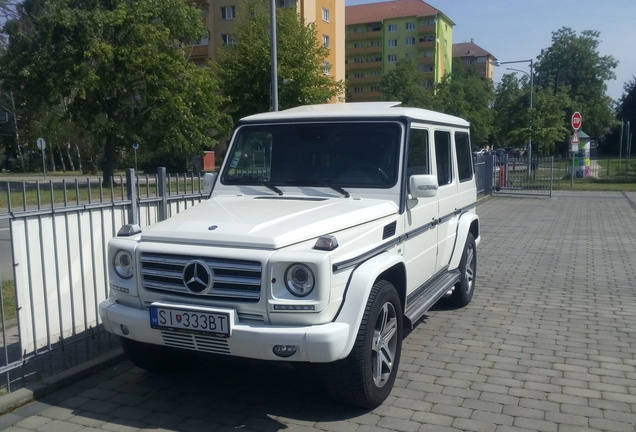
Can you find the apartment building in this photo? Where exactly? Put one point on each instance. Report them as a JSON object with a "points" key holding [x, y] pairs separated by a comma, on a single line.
{"points": [[471, 54], [220, 16], [380, 34]]}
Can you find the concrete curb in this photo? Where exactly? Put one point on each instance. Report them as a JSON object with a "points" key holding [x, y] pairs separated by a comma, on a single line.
{"points": [[23, 396]]}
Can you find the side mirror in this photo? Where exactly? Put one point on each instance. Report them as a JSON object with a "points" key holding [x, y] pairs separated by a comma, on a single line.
{"points": [[423, 186], [208, 181]]}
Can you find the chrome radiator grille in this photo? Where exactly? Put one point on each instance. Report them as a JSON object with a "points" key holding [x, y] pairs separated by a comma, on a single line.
{"points": [[230, 279]]}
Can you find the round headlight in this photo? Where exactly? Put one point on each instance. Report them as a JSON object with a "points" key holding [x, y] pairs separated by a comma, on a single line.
{"points": [[123, 264], [299, 280]]}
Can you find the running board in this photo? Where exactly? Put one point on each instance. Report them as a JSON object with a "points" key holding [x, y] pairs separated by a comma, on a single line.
{"points": [[440, 286]]}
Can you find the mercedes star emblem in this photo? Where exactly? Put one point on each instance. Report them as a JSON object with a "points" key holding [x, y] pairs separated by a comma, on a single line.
{"points": [[197, 276]]}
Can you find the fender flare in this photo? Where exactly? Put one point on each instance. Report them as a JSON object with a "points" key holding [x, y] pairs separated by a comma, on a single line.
{"points": [[359, 287], [464, 225]]}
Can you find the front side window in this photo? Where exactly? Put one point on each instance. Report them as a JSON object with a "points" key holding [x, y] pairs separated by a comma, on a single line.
{"points": [[348, 154], [418, 161]]}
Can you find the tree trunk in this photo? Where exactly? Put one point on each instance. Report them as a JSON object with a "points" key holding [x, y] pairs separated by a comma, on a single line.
{"points": [[108, 162], [70, 158]]}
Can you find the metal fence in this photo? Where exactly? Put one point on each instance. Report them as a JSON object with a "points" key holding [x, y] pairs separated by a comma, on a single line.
{"points": [[524, 177], [53, 272]]}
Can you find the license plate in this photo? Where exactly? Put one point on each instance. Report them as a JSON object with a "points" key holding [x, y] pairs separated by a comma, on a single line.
{"points": [[190, 320]]}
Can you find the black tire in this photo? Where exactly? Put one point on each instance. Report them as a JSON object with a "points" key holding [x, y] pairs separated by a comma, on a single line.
{"points": [[366, 377], [465, 288], [154, 358]]}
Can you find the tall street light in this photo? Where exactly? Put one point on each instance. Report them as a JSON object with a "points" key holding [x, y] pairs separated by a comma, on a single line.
{"points": [[530, 75], [273, 55]]}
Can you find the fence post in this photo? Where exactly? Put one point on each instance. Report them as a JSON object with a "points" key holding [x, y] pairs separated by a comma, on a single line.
{"points": [[162, 211], [131, 194], [489, 167]]}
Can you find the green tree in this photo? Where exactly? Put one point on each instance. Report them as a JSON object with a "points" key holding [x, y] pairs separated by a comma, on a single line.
{"points": [[574, 63], [465, 94], [121, 67], [517, 124], [615, 142], [404, 84], [509, 102], [244, 67]]}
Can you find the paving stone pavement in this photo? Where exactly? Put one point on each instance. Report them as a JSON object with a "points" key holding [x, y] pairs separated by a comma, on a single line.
{"points": [[548, 344]]}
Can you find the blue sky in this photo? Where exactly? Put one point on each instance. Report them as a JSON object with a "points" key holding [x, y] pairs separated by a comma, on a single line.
{"points": [[518, 30]]}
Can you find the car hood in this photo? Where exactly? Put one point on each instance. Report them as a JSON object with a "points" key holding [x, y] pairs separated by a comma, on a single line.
{"points": [[265, 222]]}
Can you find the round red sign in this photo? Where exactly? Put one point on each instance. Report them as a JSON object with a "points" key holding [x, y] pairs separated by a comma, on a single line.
{"points": [[576, 120]]}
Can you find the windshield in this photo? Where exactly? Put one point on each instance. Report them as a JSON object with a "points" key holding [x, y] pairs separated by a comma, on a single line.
{"points": [[353, 154]]}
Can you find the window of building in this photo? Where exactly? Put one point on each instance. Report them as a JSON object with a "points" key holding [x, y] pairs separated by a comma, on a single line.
{"points": [[228, 12], [375, 59], [357, 89], [357, 45], [425, 68], [326, 67], [325, 14], [429, 54], [410, 25], [375, 43], [325, 41], [410, 41], [374, 73], [358, 75], [429, 22], [392, 42], [202, 41], [427, 38], [375, 88], [392, 27], [228, 39], [358, 60], [286, 3], [392, 58]]}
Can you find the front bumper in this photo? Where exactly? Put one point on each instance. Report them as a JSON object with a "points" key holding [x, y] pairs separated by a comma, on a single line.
{"points": [[317, 344]]}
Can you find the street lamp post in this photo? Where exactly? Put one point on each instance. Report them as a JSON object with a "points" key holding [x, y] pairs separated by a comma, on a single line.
{"points": [[273, 55], [531, 77]]}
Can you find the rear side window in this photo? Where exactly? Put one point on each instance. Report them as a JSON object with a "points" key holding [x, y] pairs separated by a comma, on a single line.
{"points": [[464, 157], [443, 157]]}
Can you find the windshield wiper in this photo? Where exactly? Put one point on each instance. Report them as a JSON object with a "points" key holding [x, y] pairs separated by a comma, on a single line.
{"points": [[255, 180], [337, 188], [270, 186], [319, 182]]}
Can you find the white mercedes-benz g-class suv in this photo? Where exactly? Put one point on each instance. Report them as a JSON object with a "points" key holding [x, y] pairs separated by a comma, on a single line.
{"points": [[328, 229]]}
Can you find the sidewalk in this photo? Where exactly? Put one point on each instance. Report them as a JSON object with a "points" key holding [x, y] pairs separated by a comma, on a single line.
{"points": [[548, 344]]}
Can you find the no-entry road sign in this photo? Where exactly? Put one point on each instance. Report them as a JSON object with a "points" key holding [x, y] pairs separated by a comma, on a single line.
{"points": [[576, 121]]}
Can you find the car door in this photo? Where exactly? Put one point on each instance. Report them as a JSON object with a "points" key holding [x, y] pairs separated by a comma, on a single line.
{"points": [[420, 248], [447, 196]]}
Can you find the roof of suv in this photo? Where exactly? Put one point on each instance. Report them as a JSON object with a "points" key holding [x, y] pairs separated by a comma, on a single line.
{"points": [[357, 110]]}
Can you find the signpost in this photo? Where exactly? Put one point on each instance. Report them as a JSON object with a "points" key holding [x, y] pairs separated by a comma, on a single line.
{"points": [[42, 145], [135, 146], [576, 121]]}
